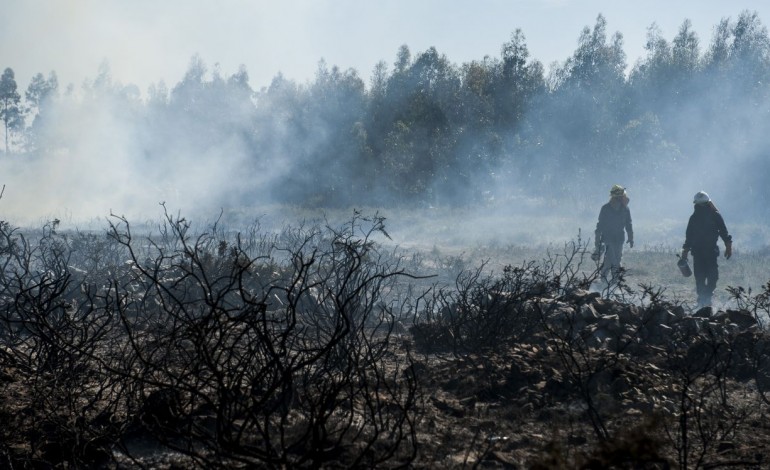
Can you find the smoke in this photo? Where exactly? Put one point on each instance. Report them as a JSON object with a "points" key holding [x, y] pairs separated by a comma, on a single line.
{"points": [[103, 149], [94, 173], [99, 155], [107, 153]]}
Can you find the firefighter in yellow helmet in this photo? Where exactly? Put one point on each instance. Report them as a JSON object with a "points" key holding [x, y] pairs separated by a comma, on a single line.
{"points": [[614, 219]]}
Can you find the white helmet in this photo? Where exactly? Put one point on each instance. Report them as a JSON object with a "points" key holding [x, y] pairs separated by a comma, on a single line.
{"points": [[701, 198]]}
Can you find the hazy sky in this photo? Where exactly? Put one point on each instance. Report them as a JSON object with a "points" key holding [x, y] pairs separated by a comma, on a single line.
{"points": [[145, 41]]}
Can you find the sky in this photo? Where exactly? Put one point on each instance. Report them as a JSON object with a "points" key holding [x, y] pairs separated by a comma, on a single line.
{"points": [[147, 41]]}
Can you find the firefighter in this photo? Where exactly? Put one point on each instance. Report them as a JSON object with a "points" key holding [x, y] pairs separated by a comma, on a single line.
{"points": [[704, 228], [614, 218]]}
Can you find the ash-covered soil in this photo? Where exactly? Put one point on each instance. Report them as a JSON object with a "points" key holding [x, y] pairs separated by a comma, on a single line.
{"points": [[598, 384], [606, 385]]}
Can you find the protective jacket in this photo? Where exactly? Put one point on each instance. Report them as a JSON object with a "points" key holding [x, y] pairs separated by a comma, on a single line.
{"points": [[613, 219], [704, 228]]}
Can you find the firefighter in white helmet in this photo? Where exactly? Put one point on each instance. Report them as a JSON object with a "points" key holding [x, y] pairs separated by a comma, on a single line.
{"points": [[704, 228]]}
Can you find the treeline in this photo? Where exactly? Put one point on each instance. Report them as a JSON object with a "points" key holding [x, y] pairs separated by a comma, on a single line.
{"points": [[428, 131]]}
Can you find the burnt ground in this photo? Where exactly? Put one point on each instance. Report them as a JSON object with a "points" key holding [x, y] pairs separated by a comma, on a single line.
{"points": [[613, 386], [480, 411], [597, 384]]}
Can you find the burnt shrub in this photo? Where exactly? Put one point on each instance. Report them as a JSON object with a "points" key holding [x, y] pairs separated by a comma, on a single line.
{"points": [[60, 402], [234, 363], [246, 349], [486, 310]]}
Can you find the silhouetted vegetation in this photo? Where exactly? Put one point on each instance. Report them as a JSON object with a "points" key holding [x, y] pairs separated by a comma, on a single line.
{"points": [[316, 346]]}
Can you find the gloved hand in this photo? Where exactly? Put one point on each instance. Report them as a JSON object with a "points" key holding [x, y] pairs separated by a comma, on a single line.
{"points": [[728, 250], [631, 242], [684, 254]]}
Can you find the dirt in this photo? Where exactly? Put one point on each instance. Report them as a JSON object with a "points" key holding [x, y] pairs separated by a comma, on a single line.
{"points": [[668, 401]]}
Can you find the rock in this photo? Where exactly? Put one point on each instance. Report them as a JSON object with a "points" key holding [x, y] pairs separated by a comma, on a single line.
{"points": [[704, 312], [732, 329], [598, 336], [678, 311], [628, 314], [582, 296], [588, 313], [663, 332], [604, 307], [611, 323], [447, 408], [690, 326], [504, 458], [744, 319], [665, 317]]}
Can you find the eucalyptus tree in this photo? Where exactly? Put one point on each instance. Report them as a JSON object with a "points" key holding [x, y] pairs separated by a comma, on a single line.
{"points": [[334, 114], [185, 95], [11, 112], [40, 90], [189, 108], [209, 115], [735, 98], [308, 138], [500, 97], [39, 98], [685, 50], [749, 52], [596, 63], [736, 65], [403, 59], [667, 82], [438, 120], [377, 104], [737, 62], [651, 76], [703, 107], [588, 106], [478, 79], [388, 93], [478, 112], [519, 89], [239, 96], [418, 150], [518, 81], [279, 136], [684, 67]]}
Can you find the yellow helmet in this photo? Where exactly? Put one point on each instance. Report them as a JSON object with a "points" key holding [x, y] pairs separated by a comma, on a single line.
{"points": [[617, 190]]}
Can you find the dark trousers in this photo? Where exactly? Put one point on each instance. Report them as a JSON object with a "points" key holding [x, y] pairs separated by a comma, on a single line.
{"points": [[706, 272], [612, 257]]}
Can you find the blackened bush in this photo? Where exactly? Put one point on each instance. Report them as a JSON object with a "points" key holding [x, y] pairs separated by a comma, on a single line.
{"points": [[480, 311], [293, 366], [485, 310], [50, 332], [233, 350]]}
